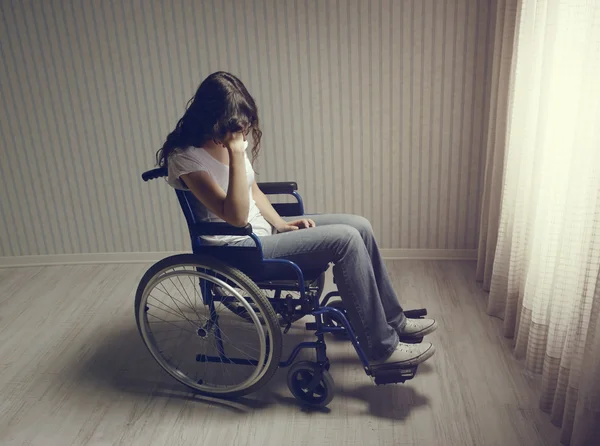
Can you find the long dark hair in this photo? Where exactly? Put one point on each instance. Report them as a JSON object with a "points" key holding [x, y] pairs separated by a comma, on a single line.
{"points": [[221, 104]]}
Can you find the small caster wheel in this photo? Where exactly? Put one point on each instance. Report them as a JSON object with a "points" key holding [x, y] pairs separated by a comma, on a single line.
{"points": [[310, 384], [329, 321]]}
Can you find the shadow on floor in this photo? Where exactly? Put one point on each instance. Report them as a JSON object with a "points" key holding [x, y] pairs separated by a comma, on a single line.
{"points": [[119, 362], [392, 402]]}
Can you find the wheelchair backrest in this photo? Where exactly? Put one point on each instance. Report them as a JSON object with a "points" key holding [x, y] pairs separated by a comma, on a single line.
{"points": [[187, 201]]}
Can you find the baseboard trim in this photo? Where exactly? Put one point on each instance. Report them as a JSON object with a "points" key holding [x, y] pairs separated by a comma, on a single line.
{"points": [[429, 254], [151, 257], [84, 259]]}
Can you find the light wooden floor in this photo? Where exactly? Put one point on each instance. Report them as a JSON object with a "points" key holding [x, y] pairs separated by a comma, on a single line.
{"points": [[73, 371]]}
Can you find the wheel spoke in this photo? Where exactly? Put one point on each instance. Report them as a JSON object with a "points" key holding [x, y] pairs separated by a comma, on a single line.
{"points": [[175, 301], [188, 300], [243, 353], [171, 308], [173, 312]]}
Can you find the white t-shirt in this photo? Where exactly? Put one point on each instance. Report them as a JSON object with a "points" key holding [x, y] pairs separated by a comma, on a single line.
{"points": [[192, 159]]}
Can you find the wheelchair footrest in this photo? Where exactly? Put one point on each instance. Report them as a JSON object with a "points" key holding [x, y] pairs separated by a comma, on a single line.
{"points": [[409, 340], [392, 375], [416, 314]]}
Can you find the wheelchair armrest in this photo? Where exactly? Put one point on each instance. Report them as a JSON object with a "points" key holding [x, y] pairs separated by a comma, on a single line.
{"points": [[274, 188], [220, 228], [284, 188]]}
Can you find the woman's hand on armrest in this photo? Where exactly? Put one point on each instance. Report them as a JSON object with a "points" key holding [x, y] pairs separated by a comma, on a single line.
{"points": [[303, 223]]}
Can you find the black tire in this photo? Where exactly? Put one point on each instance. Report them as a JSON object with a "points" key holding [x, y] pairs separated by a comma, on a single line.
{"points": [[191, 263], [306, 374]]}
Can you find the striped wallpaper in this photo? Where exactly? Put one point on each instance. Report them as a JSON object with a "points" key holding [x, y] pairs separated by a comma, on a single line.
{"points": [[374, 107]]}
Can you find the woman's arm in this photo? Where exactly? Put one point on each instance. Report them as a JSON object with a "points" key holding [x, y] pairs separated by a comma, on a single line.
{"points": [[268, 211], [233, 206]]}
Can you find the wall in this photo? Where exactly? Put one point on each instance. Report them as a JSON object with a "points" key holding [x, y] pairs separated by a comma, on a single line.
{"points": [[375, 107]]}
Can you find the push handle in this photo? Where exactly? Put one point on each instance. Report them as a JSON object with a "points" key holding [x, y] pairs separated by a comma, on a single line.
{"points": [[155, 173]]}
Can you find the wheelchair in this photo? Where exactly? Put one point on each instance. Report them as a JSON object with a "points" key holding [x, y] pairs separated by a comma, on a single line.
{"points": [[215, 319]]}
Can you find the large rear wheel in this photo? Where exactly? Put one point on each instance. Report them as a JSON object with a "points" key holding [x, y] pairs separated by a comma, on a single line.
{"points": [[195, 337]]}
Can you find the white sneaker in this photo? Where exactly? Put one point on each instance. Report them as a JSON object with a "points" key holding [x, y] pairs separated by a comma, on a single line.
{"points": [[416, 328], [408, 354]]}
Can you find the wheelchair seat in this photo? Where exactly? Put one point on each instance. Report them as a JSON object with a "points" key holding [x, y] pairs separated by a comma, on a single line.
{"points": [[250, 262], [278, 272]]}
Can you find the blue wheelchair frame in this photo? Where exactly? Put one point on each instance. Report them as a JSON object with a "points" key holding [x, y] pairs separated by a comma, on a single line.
{"points": [[319, 309], [198, 229]]}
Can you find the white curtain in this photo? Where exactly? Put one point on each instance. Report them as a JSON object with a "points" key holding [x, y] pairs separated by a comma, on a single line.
{"points": [[545, 281], [504, 19]]}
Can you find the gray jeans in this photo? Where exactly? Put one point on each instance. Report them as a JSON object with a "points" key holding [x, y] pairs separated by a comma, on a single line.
{"points": [[348, 242]]}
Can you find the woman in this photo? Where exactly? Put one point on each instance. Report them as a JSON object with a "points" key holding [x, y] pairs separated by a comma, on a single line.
{"points": [[206, 153]]}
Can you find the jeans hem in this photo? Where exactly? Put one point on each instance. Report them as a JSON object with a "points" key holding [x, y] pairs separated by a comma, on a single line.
{"points": [[390, 351], [401, 325]]}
